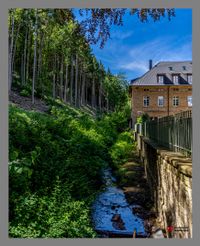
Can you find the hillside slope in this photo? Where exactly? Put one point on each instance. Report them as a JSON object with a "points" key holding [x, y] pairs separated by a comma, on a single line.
{"points": [[55, 162]]}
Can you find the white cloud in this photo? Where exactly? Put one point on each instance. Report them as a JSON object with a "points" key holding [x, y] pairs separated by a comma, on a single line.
{"points": [[134, 66], [162, 49], [121, 35], [134, 59]]}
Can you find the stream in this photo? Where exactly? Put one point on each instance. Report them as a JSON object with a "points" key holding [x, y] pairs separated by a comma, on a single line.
{"points": [[112, 215]]}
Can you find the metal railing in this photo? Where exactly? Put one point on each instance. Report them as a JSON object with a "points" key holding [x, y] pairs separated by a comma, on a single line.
{"points": [[173, 132]]}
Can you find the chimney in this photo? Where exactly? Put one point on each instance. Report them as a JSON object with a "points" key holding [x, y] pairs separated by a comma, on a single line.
{"points": [[150, 64]]}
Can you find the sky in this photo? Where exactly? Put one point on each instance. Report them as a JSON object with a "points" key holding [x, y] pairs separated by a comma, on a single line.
{"points": [[132, 45]]}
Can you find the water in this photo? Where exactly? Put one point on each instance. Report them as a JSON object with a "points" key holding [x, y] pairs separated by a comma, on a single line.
{"points": [[111, 202]]}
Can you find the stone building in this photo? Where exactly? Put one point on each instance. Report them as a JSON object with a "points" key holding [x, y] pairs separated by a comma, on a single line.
{"points": [[164, 90]]}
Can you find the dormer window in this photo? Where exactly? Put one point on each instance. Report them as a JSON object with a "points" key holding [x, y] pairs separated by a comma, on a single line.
{"points": [[184, 68], [160, 79], [170, 68], [189, 78], [175, 78]]}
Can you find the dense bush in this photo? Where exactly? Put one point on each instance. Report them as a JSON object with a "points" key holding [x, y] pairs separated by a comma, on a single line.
{"points": [[123, 148], [68, 145], [143, 118]]}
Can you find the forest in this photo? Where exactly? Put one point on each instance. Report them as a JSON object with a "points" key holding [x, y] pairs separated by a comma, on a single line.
{"points": [[56, 157]]}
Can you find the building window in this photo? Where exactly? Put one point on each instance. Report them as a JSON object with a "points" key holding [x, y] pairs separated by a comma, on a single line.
{"points": [[189, 100], [175, 101], [189, 78], [146, 101], [175, 79], [160, 101], [160, 79]]}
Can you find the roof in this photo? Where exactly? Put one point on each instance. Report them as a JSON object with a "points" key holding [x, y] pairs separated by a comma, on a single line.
{"points": [[166, 68]]}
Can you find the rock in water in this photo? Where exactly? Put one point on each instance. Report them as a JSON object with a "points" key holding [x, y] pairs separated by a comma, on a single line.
{"points": [[157, 234]]}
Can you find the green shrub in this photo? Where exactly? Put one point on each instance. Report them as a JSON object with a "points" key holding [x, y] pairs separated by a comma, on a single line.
{"points": [[55, 215], [70, 144], [122, 150]]}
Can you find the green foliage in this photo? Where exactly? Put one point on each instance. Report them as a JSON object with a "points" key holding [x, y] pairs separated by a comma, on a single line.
{"points": [[123, 148], [55, 215], [68, 145], [143, 118]]}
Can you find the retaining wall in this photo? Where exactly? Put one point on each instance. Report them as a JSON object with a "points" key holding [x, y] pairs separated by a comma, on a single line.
{"points": [[169, 175]]}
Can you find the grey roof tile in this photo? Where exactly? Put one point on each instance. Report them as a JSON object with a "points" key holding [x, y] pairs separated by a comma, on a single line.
{"points": [[178, 67]]}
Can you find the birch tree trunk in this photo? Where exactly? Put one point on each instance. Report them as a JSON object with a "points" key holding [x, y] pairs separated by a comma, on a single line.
{"points": [[35, 58]]}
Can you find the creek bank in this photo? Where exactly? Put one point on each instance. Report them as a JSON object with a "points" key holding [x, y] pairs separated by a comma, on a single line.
{"points": [[124, 205], [130, 177]]}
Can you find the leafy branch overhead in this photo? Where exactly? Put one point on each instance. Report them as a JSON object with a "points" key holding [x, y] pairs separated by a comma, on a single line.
{"points": [[97, 22]]}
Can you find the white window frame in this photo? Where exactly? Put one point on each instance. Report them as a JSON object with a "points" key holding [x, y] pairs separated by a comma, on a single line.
{"points": [[162, 100], [146, 100], [160, 79], [175, 101], [189, 80], [189, 102], [175, 79]]}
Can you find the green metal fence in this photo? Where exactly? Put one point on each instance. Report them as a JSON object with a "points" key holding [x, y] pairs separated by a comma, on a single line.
{"points": [[173, 132]]}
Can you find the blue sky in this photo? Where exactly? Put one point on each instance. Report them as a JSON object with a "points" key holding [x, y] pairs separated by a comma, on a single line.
{"points": [[133, 44]]}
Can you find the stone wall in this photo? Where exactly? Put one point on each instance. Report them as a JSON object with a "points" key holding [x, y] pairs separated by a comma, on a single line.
{"points": [[169, 175]]}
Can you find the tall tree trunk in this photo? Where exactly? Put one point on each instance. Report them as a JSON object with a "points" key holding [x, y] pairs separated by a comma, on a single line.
{"points": [[22, 72], [28, 54], [61, 79], [57, 76], [11, 53], [54, 86], [79, 87], [86, 91], [14, 51], [54, 78], [100, 94], [66, 85], [83, 90], [24, 61], [76, 82], [107, 103], [93, 93], [40, 56], [35, 58], [71, 81]]}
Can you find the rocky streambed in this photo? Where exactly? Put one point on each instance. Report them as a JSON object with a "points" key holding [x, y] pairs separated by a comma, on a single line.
{"points": [[121, 209]]}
